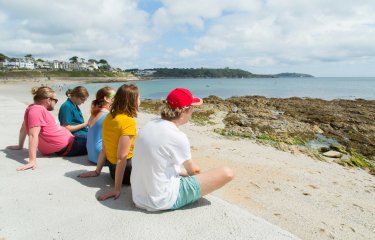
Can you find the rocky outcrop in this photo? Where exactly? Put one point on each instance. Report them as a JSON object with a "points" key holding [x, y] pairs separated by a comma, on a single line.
{"points": [[296, 121], [350, 122]]}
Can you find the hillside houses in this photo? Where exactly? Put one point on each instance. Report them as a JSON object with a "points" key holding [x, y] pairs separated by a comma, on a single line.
{"points": [[31, 64], [18, 63]]}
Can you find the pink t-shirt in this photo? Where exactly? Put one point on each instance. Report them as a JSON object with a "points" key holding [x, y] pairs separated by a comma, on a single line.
{"points": [[52, 137]]}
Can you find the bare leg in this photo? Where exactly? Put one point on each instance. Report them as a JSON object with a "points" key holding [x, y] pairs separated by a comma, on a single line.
{"points": [[214, 179]]}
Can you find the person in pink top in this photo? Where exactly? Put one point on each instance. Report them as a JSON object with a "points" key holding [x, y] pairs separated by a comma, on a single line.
{"points": [[44, 133]]}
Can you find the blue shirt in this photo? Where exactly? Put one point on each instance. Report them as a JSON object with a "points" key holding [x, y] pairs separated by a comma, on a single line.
{"points": [[94, 139], [70, 114]]}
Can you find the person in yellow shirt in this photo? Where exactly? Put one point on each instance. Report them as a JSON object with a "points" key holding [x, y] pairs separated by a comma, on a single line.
{"points": [[119, 133]]}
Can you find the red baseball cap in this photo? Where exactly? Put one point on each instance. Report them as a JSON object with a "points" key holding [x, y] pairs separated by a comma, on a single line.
{"points": [[182, 97]]}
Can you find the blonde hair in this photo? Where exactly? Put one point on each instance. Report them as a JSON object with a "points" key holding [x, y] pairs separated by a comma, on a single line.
{"points": [[80, 92], [41, 93], [126, 101], [168, 113]]}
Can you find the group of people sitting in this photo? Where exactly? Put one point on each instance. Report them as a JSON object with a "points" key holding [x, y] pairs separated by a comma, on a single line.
{"points": [[150, 161]]}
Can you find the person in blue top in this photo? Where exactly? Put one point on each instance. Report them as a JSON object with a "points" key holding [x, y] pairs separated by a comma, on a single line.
{"points": [[70, 116], [99, 110]]}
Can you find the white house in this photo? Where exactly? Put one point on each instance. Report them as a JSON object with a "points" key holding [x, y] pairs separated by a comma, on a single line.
{"points": [[42, 65], [30, 63], [92, 66], [144, 72], [26, 64], [19, 63]]}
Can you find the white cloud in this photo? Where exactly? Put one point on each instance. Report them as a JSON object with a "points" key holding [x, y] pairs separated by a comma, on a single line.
{"points": [[3, 17], [91, 29], [19, 45], [187, 53], [175, 13], [288, 31], [239, 33]]}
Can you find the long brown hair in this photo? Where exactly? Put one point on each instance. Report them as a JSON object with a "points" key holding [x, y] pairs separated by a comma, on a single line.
{"points": [[126, 101], [80, 92], [41, 93], [99, 101]]}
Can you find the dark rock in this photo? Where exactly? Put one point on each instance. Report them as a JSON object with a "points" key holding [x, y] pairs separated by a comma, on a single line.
{"points": [[338, 147], [350, 122], [324, 149]]}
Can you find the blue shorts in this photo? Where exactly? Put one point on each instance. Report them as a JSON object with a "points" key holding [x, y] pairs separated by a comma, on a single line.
{"points": [[79, 146], [76, 148], [189, 191]]}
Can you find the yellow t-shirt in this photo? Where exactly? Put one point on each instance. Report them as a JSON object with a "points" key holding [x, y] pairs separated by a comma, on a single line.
{"points": [[113, 129]]}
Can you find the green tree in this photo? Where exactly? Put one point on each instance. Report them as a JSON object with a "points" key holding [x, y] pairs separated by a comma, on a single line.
{"points": [[73, 59], [103, 61], [29, 56], [105, 67], [3, 57], [91, 60], [201, 72]]}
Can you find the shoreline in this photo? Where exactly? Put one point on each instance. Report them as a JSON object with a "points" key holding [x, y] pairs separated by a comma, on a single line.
{"points": [[208, 87], [254, 123], [52, 80]]}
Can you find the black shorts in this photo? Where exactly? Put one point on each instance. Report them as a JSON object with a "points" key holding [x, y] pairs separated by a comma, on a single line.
{"points": [[127, 172]]}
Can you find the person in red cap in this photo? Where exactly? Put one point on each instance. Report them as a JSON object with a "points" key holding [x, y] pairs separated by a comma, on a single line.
{"points": [[157, 180]]}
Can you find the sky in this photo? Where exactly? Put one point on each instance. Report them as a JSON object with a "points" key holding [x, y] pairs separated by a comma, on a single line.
{"points": [[325, 38]]}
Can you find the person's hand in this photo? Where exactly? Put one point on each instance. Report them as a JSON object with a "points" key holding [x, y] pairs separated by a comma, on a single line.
{"points": [[30, 165], [88, 174], [112, 194], [191, 168], [14, 147], [195, 170]]}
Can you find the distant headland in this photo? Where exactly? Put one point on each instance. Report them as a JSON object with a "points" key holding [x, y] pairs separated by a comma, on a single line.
{"points": [[206, 73], [28, 66]]}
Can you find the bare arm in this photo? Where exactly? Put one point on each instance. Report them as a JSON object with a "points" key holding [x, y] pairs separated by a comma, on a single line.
{"points": [[99, 166], [73, 128], [33, 146], [21, 138], [191, 167], [122, 153]]}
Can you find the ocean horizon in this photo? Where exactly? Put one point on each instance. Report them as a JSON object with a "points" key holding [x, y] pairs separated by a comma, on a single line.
{"points": [[327, 88]]}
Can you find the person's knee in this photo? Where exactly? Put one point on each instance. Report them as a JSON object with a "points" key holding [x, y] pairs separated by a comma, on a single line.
{"points": [[228, 173]]}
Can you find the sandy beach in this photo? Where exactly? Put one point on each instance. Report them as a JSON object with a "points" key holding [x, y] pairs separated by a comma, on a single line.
{"points": [[275, 194]]}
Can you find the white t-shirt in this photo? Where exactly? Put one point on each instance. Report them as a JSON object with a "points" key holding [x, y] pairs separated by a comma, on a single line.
{"points": [[159, 151]]}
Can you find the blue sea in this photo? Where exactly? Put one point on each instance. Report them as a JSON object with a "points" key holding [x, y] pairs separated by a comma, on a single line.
{"points": [[327, 88]]}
